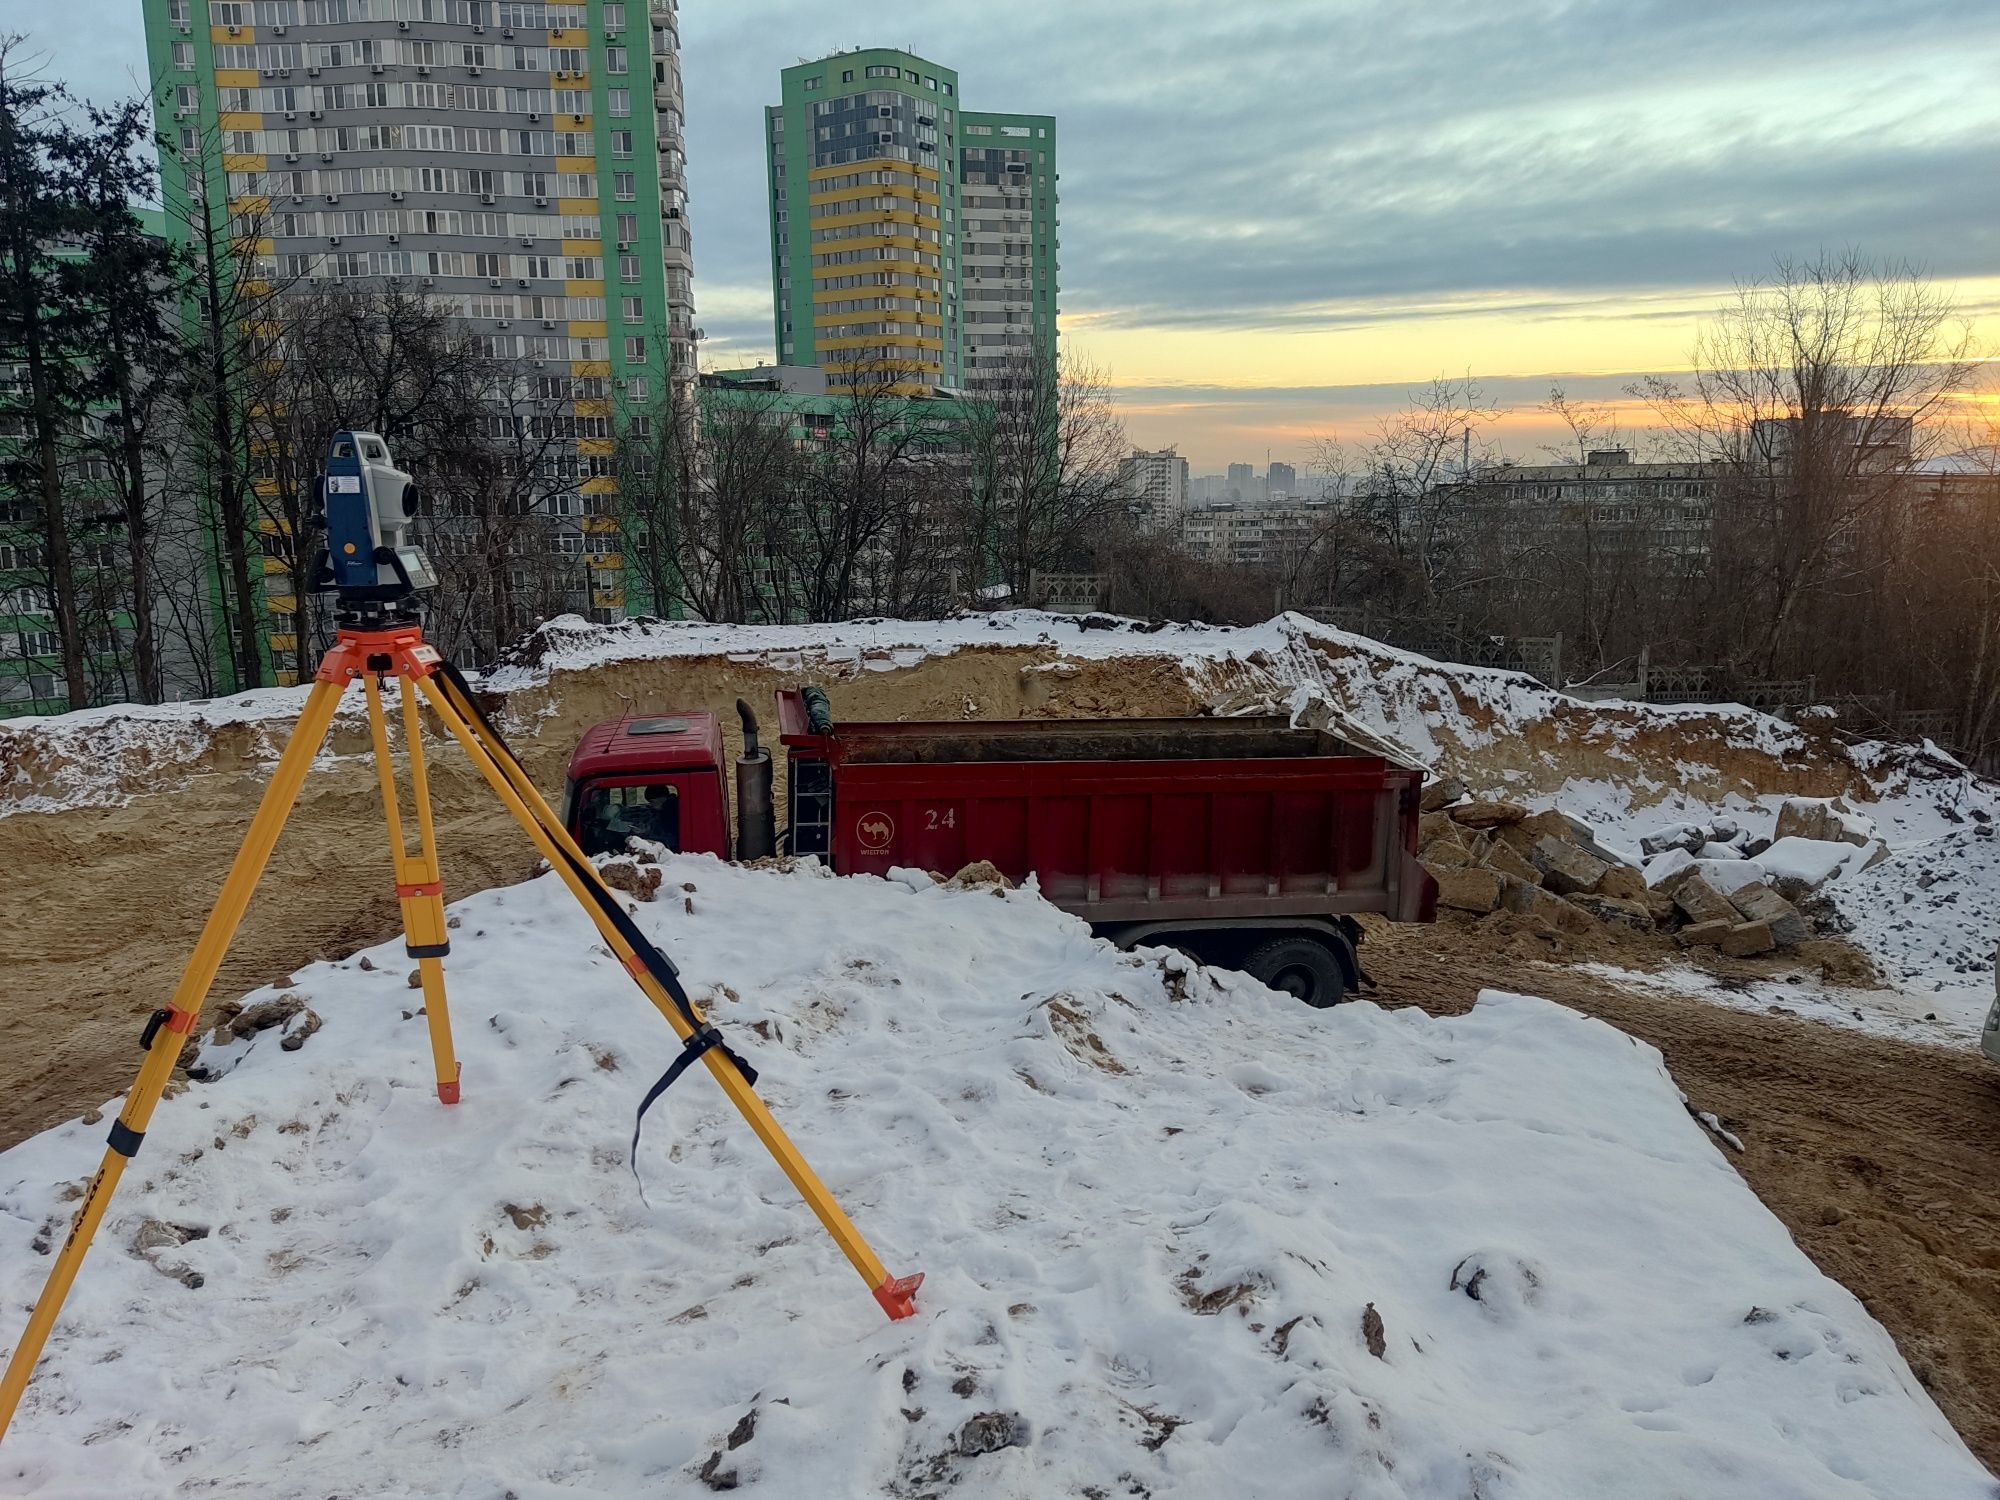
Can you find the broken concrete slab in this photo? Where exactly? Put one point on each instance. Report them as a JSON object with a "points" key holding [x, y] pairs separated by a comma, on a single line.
{"points": [[1487, 813], [1759, 903], [1632, 914], [1585, 837], [1622, 882], [1566, 869], [1532, 901], [1688, 836], [1446, 854], [1442, 793], [1704, 934], [1433, 826], [1747, 939], [1701, 902], [1503, 856], [1662, 870], [1469, 889], [1826, 818], [1798, 866]]}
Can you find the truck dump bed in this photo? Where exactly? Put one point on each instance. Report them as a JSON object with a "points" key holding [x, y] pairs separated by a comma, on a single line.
{"points": [[1120, 820]]}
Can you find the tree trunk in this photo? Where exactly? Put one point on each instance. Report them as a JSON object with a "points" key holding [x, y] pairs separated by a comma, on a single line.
{"points": [[244, 653], [139, 540]]}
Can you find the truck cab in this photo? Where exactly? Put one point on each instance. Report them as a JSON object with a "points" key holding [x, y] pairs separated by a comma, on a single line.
{"points": [[653, 776]]}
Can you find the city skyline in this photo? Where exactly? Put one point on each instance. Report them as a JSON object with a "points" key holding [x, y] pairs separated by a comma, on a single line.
{"points": [[1275, 224]]}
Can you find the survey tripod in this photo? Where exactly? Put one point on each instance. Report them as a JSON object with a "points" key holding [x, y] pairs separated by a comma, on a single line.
{"points": [[373, 649]]}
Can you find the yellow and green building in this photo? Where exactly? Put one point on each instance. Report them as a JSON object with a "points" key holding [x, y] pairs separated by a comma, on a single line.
{"points": [[905, 230]]}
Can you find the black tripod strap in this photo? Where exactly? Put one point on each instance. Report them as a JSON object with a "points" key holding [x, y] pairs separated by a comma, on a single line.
{"points": [[707, 1039]]}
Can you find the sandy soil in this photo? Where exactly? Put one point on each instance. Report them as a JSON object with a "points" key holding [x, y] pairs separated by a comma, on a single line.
{"points": [[101, 905], [1881, 1157]]}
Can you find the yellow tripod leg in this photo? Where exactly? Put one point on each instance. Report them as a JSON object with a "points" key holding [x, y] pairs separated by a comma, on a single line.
{"points": [[169, 1028], [511, 785], [419, 887]]}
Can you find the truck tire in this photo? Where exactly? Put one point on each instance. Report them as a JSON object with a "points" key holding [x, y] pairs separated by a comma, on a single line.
{"points": [[1302, 967]]}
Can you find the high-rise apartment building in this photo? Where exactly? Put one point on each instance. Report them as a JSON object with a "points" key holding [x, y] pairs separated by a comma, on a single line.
{"points": [[905, 230], [520, 160], [1007, 266], [1156, 486]]}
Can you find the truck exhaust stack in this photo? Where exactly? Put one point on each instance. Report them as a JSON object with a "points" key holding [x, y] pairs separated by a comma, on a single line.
{"points": [[756, 813]]}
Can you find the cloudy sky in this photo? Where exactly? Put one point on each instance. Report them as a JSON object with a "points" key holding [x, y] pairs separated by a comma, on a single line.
{"points": [[1279, 213]]}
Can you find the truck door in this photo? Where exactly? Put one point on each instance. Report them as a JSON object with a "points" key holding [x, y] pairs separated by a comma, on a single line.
{"points": [[606, 812]]}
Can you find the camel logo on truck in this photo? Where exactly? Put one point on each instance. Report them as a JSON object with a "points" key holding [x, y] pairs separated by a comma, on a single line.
{"points": [[876, 831]]}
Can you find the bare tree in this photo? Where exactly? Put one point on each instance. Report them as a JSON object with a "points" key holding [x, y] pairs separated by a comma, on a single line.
{"points": [[1818, 388], [704, 474], [858, 470], [1045, 444], [1409, 467]]}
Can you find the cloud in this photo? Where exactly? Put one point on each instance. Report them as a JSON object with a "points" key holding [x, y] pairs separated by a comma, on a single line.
{"points": [[1323, 167]]}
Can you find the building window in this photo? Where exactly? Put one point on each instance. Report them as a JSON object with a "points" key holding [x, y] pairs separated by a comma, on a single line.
{"points": [[614, 17], [628, 268], [614, 60], [635, 387], [813, 83], [184, 56], [620, 103], [635, 349], [621, 143], [624, 186], [632, 309]]}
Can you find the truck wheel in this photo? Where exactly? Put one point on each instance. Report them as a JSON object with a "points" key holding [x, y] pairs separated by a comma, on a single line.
{"points": [[1301, 967]]}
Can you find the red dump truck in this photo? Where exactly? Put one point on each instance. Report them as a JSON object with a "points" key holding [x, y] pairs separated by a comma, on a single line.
{"points": [[1244, 841]]}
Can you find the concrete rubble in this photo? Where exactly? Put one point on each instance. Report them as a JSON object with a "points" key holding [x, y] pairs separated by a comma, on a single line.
{"points": [[1701, 882]]}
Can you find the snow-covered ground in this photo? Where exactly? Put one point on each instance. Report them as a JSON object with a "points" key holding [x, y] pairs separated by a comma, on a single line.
{"points": [[1183, 1237], [1930, 916]]}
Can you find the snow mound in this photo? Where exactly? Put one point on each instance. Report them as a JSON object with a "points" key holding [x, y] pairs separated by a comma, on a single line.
{"points": [[1929, 915], [1182, 1235]]}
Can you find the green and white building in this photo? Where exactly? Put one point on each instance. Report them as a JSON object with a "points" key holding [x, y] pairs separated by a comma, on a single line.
{"points": [[520, 159], [904, 228]]}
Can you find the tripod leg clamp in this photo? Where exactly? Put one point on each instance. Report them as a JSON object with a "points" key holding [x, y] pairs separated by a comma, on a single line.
{"points": [[178, 1021], [124, 1139]]}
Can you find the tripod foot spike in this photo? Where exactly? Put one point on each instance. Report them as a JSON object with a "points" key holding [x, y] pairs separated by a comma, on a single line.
{"points": [[898, 1295], [448, 1092]]}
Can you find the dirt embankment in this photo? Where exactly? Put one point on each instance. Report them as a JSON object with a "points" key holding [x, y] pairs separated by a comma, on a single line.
{"points": [[104, 898]]}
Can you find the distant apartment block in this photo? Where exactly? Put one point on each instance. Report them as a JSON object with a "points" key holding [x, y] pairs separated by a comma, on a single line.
{"points": [[1156, 486], [1661, 509], [1251, 535], [905, 229]]}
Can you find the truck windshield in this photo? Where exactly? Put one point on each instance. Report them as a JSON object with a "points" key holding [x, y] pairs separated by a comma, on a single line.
{"points": [[609, 815]]}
